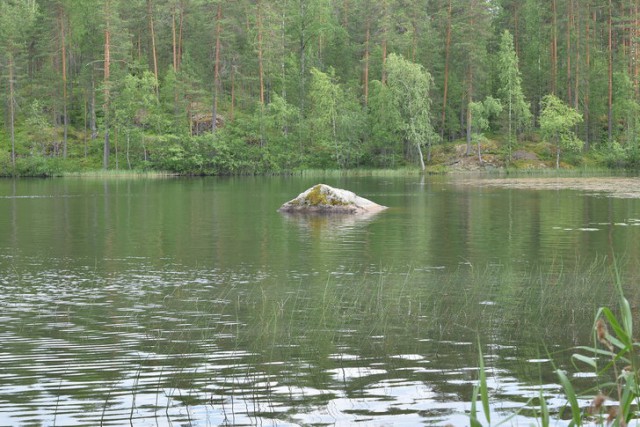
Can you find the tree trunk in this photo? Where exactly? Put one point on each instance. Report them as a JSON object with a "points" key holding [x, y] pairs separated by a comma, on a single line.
{"points": [[107, 94], [283, 41], [174, 39], [366, 63], [65, 119], [127, 153], [414, 36], [422, 166], [385, 31], [233, 92], [180, 33], [610, 60], [587, 97], [554, 49], [12, 109], [92, 109], [469, 101], [260, 71], [154, 54], [447, 50], [636, 54], [345, 14], [568, 52], [516, 29], [469, 118], [576, 91], [216, 70], [303, 64], [260, 64], [85, 105], [115, 146]]}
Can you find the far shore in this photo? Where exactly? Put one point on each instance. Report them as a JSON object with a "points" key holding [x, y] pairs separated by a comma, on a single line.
{"points": [[622, 187]]}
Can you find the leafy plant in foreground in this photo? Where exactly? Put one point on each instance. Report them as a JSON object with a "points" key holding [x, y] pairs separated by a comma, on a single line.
{"points": [[615, 349]]}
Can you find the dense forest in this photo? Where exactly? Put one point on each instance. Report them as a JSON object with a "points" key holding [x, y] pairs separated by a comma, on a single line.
{"points": [[262, 86]]}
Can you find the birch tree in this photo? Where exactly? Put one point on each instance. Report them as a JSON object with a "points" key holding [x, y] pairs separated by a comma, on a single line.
{"points": [[557, 121], [410, 84], [481, 114]]}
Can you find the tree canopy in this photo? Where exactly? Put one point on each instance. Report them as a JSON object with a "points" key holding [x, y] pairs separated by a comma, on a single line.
{"points": [[212, 87]]}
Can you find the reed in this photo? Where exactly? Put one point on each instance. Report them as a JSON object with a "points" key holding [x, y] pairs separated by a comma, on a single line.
{"points": [[613, 357], [303, 323], [586, 171], [112, 173], [338, 173]]}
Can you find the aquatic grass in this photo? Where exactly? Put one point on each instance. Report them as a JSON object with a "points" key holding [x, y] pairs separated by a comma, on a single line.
{"points": [[290, 330], [544, 409], [484, 392], [481, 393], [339, 173], [578, 171], [120, 173]]}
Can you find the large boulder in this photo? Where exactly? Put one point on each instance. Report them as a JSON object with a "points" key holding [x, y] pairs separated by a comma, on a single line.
{"points": [[322, 198]]}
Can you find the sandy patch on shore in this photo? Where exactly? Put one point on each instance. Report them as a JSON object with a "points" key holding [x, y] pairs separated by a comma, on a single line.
{"points": [[611, 186]]}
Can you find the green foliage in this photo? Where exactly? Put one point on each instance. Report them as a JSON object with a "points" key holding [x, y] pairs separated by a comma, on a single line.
{"points": [[16, 20], [384, 125], [626, 111], [409, 84], [6, 168], [38, 166], [41, 134], [313, 55], [610, 351], [335, 122], [557, 121], [517, 109], [483, 112]]}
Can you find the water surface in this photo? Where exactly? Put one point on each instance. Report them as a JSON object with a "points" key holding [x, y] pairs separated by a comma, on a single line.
{"points": [[193, 302]]}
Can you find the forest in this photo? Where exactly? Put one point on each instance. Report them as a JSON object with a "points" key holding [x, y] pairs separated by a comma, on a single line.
{"points": [[209, 87]]}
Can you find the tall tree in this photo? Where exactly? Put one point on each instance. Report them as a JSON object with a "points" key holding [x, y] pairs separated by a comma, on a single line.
{"points": [[518, 112], [610, 64], [447, 54], [16, 20], [410, 84], [107, 81], [216, 67], [474, 45], [152, 35], [326, 96], [62, 19]]}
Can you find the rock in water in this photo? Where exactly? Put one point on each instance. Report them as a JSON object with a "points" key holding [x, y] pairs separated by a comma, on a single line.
{"points": [[322, 198]]}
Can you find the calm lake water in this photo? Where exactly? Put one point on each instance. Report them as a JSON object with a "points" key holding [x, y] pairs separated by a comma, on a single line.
{"points": [[192, 302]]}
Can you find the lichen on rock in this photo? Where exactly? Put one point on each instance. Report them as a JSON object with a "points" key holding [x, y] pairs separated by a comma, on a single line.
{"points": [[322, 198]]}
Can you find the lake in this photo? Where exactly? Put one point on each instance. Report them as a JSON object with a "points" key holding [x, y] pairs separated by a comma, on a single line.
{"points": [[193, 302]]}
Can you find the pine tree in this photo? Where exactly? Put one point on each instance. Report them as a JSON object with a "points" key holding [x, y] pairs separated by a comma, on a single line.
{"points": [[16, 21]]}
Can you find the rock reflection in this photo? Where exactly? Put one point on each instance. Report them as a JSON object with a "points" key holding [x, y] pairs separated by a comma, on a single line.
{"points": [[330, 223]]}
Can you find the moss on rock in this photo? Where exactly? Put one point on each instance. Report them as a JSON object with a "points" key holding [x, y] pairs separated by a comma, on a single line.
{"points": [[322, 198]]}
